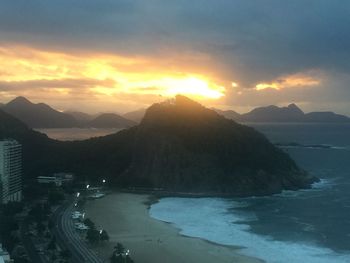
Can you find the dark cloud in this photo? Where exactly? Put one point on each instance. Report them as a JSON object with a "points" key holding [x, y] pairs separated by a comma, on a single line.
{"points": [[249, 41]]}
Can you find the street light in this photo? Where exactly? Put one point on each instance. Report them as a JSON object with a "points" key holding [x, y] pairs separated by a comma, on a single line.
{"points": [[78, 194], [104, 180], [87, 186]]}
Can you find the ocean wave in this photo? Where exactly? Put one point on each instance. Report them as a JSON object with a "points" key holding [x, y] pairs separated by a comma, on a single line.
{"points": [[311, 146], [209, 219], [324, 184]]}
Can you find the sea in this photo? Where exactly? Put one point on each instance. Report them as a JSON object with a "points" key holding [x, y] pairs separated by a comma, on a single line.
{"points": [[308, 226], [74, 134]]}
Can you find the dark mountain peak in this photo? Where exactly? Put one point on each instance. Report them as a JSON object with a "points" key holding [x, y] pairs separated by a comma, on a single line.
{"points": [[19, 101], [23, 103], [180, 145], [184, 102], [179, 110], [274, 113], [39, 115], [294, 107]]}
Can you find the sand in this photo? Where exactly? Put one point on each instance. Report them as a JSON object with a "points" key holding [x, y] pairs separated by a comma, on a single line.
{"points": [[125, 217]]}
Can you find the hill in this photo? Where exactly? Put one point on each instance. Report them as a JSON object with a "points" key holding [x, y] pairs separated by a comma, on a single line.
{"points": [[110, 120], [272, 113], [291, 113], [183, 146], [229, 114], [81, 117], [136, 115], [38, 115], [326, 116], [179, 146]]}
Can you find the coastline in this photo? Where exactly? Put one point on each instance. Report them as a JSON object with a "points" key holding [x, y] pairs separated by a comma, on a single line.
{"points": [[126, 218]]}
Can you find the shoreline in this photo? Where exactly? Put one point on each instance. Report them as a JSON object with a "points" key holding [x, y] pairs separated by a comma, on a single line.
{"points": [[125, 216]]}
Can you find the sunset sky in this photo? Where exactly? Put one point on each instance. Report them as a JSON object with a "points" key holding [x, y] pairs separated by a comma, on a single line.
{"points": [[122, 55]]}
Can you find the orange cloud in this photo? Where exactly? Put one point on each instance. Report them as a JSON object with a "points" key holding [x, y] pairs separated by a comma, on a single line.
{"points": [[296, 80], [107, 75]]}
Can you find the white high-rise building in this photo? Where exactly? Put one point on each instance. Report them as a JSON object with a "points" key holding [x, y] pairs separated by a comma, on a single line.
{"points": [[10, 171]]}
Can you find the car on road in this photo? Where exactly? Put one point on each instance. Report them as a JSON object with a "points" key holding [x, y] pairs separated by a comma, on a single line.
{"points": [[81, 226]]}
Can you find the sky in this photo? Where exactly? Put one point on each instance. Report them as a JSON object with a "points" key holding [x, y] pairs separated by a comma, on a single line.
{"points": [[122, 55]]}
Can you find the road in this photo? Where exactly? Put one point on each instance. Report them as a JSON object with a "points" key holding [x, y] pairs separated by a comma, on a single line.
{"points": [[68, 238]]}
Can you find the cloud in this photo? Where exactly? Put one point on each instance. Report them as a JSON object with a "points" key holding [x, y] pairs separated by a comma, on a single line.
{"points": [[56, 83], [295, 80], [247, 42]]}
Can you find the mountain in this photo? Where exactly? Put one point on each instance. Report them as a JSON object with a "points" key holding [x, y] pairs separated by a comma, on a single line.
{"points": [[37, 147], [2, 105], [274, 114], [10, 125], [183, 146], [229, 114], [110, 120], [80, 116], [38, 115], [179, 146], [135, 116], [325, 117], [291, 113]]}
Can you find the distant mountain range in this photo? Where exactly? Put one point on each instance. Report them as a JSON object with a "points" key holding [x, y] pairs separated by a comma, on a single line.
{"points": [[81, 116], [110, 120], [179, 146], [136, 115], [291, 113], [41, 115]]}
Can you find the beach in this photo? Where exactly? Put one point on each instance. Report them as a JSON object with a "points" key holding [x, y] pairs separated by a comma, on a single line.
{"points": [[126, 219]]}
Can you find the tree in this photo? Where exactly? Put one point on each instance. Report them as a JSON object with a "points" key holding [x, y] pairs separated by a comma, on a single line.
{"points": [[89, 223], [128, 259], [51, 224], [38, 213], [119, 255], [93, 236], [119, 249], [11, 208], [40, 227], [104, 236], [55, 197], [117, 258], [66, 254], [52, 244]]}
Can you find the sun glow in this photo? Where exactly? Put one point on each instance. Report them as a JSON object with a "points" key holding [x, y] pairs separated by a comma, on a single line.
{"points": [[186, 85], [99, 75], [193, 86]]}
